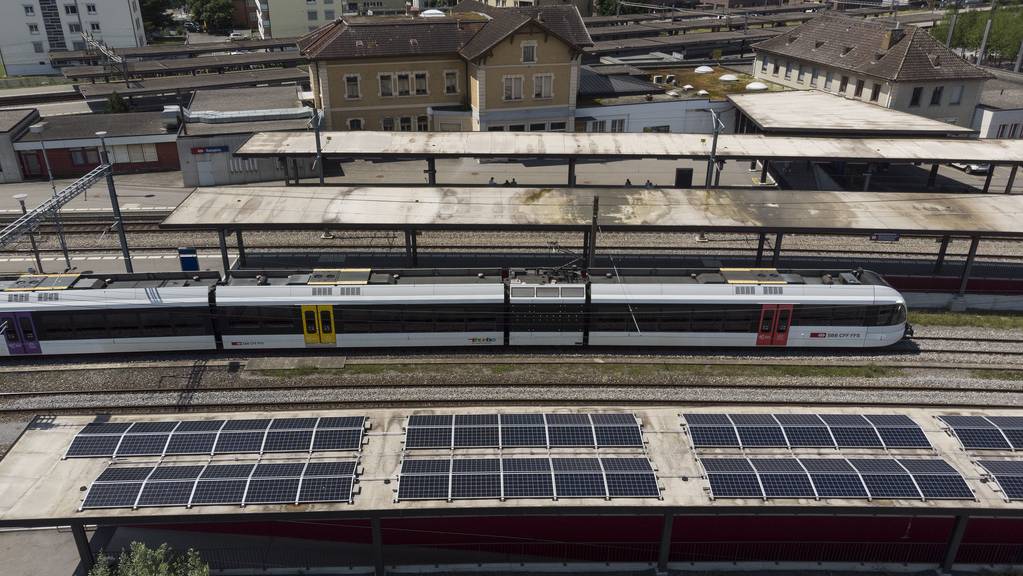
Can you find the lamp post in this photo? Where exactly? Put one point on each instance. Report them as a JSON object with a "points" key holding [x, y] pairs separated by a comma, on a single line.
{"points": [[38, 129], [114, 204], [31, 235]]}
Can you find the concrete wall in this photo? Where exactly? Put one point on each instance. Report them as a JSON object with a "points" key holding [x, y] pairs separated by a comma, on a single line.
{"points": [[119, 21], [222, 169], [291, 17], [897, 96], [680, 116], [10, 167]]}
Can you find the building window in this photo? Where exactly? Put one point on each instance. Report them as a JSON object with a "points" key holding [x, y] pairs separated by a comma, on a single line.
{"points": [[405, 124], [71, 9], [763, 65], [355, 123], [557, 127], [528, 52], [30, 10], [133, 153], [512, 88], [598, 126], [618, 125], [843, 85], [84, 156], [774, 69], [543, 86], [94, 26], [875, 92], [74, 27], [495, 129], [451, 82], [387, 124], [955, 97], [918, 93], [423, 123], [422, 84], [386, 85], [328, 14], [516, 127], [311, 15], [33, 29], [404, 88], [538, 127], [240, 165], [936, 95], [352, 87], [38, 47], [799, 73], [90, 9], [78, 45], [657, 129], [859, 88], [788, 69], [827, 80], [1013, 130]]}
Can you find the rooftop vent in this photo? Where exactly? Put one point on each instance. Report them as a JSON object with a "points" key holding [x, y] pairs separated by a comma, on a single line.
{"points": [[431, 13], [413, 42], [791, 39], [846, 50], [935, 60], [818, 44], [359, 44]]}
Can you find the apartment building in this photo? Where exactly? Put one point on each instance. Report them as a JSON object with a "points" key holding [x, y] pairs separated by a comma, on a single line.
{"points": [[288, 18], [585, 6], [903, 69], [479, 68], [30, 29]]}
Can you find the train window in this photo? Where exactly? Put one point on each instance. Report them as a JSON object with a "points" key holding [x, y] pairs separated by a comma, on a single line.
{"points": [[155, 323], [419, 320], [783, 322], [741, 319], [192, 321], [810, 315], [547, 292], [706, 319], [848, 316], [675, 319], [522, 292], [882, 316], [28, 333], [359, 321], [573, 292], [310, 322], [767, 321], [90, 324], [483, 318], [608, 318], [54, 325], [325, 324], [279, 320], [123, 323], [900, 315]]}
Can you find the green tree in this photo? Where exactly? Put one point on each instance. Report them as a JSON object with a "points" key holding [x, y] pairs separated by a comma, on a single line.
{"points": [[155, 15], [115, 103], [213, 14], [140, 560]]}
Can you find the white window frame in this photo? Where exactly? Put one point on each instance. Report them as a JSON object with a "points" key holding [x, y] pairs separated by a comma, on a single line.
{"points": [[30, 10], [597, 126], [397, 82], [38, 47], [415, 83], [383, 124], [70, 9], [71, 27], [90, 9], [618, 123], [94, 27], [457, 84], [411, 123], [540, 77], [561, 126], [362, 124], [312, 15], [504, 85], [380, 84], [358, 86], [427, 123], [33, 28], [537, 127], [522, 52]]}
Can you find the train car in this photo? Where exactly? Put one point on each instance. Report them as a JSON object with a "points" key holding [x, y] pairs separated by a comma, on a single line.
{"points": [[745, 307], [85, 314], [546, 308], [362, 308]]}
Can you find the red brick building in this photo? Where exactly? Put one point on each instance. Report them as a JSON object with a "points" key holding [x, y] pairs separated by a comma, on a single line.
{"points": [[137, 141]]}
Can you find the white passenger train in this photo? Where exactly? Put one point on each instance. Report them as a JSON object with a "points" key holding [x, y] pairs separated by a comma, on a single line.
{"points": [[363, 308]]}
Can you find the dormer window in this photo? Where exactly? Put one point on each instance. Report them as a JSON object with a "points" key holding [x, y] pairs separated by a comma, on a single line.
{"points": [[791, 39], [935, 60], [846, 50], [818, 44]]}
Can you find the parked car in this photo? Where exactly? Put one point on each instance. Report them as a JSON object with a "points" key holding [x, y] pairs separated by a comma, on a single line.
{"points": [[238, 36], [972, 168], [192, 27]]}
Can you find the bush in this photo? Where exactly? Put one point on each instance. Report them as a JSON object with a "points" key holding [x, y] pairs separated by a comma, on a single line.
{"points": [[139, 560]]}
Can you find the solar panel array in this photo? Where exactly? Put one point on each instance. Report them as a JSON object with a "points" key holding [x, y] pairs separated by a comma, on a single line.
{"points": [[258, 436], [504, 478], [222, 484], [867, 478], [987, 432], [596, 430], [1008, 474], [804, 431]]}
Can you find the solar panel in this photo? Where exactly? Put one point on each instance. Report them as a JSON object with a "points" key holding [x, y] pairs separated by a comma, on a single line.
{"points": [[981, 438], [142, 445], [357, 422], [959, 421], [895, 437], [153, 427], [801, 420], [558, 430], [809, 437], [877, 466], [521, 485], [431, 420], [713, 436], [567, 419], [288, 441], [293, 424], [512, 436], [891, 420], [891, 486], [827, 465], [278, 470], [239, 442], [726, 465], [92, 446], [753, 420], [838, 485], [246, 424], [804, 431], [626, 465], [1012, 486], [176, 473], [776, 465], [191, 443], [214, 492], [227, 471], [476, 436], [125, 474], [849, 437], [570, 436], [423, 487], [332, 440], [332, 468], [199, 426], [762, 436], [427, 438], [1009, 467], [787, 485], [526, 465], [476, 486], [579, 485], [1015, 437], [475, 465], [117, 428], [927, 466], [115, 495], [272, 491], [521, 419], [1007, 422], [844, 420], [575, 464], [476, 419], [618, 436], [734, 486], [174, 493], [613, 419], [632, 485], [327, 489], [943, 487], [422, 466], [707, 419]]}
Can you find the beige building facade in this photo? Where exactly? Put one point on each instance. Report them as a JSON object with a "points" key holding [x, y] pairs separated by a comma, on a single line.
{"points": [[489, 70]]}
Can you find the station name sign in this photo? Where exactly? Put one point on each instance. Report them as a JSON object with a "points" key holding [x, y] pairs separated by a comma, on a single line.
{"points": [[210, 150]]}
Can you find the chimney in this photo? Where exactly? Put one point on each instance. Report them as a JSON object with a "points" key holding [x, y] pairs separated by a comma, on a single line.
{"points": [[891, 38]]}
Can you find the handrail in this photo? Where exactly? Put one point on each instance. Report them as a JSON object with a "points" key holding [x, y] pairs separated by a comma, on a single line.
{"points": [[29, 221]]}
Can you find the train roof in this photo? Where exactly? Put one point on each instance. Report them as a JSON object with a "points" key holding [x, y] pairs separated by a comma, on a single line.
{"points": [[41, 282], [751, 276], [365, 276]]}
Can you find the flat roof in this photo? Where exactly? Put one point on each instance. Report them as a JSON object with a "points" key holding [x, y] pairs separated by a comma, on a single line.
{"points": [[597, 21], [242, 127], [625, 146], [654, 209], [816, 112], [190, 83], [78, 126], [660, 43], [38, 488], [10, 119], [165, 50], [641, 29], [245, 99], [177, 65]]}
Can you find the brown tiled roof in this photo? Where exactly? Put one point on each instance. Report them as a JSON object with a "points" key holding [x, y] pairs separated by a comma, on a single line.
{"points": [[563, 21], [856, 45], [471, 29]]}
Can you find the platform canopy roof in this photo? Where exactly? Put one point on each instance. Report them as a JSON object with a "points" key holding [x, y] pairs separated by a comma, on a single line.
{"points": [[626, 146], [650, 209]]}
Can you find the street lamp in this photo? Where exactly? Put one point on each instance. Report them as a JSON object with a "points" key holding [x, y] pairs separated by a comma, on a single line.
{"points": [[31, 235], [114, 204], [38, 129]]}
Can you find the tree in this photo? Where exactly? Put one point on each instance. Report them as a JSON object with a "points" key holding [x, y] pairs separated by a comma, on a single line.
{"points": [[115, 103], [214, 14], [155, 15], [140, 560]]}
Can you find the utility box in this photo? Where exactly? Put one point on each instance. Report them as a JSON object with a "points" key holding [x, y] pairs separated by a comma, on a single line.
{"points": [[189, 259]]}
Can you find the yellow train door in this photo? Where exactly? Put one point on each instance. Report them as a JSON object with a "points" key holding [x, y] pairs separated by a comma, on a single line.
{"points": [[318, 324]]}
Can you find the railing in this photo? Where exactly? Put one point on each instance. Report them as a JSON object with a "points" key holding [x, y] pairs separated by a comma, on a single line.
{"points": [[30, 221]]}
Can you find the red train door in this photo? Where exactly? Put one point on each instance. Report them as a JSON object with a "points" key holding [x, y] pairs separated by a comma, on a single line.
{"points": [[773, 329]]}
